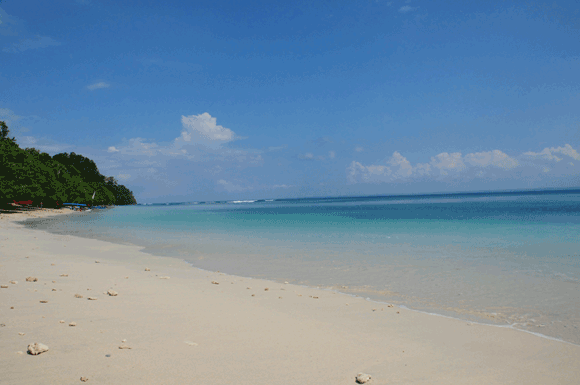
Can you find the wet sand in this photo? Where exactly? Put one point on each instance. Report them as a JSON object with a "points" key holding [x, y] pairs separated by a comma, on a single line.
{"points": [[176, 324]]}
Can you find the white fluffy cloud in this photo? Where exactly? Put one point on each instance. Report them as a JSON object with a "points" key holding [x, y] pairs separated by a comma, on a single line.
{"points": [[203, 128], [491, 158], [486, 164], [550, 153]]}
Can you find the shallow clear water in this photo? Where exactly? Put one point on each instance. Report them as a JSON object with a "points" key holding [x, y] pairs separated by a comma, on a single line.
{"points": [[509, 259]]}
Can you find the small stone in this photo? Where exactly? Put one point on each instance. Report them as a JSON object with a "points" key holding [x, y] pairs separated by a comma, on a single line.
{"points": [[61, 321], [107, 355], [147, 269], [52, 264], [398, 313], [4, 286], [43, 301], [266, 289], [20, 334], [97, 262], [190, 343], [11, 307], [362, 378], [72, 324], [112, 293], [215, 282], [31, 279], [84, 379], [19, 352], [78, 296], [64, 275], [253, 295], [286, 282], [315, 297], [53, 289], [37, 348], [92, 298], [163, 277], [14, 282], [123, 346], [248, 288], [53, 281], [123, 340]]}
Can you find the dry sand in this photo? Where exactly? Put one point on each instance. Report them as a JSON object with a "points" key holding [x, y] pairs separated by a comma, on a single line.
{"points": [[195, 327]]}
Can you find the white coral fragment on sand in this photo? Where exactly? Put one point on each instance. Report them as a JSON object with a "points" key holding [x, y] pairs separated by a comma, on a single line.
{"points": [[112, 293], [37, 348], [362, 378]]}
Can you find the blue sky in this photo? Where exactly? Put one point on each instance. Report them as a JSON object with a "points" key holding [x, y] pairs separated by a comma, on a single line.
{"points": [[211, 100]]}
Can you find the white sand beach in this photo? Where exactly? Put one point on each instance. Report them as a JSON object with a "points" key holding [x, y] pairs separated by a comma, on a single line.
{"points": [[177, 324]]}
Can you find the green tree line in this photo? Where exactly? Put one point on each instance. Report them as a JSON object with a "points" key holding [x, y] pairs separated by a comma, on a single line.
{"points": [[28, 174]]}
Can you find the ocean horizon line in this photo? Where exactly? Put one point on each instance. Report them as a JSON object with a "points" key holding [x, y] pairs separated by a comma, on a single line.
{"points": [[534, 191]]}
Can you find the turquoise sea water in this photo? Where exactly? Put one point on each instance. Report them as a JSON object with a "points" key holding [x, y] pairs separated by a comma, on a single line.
{"points": [[504, 258]]}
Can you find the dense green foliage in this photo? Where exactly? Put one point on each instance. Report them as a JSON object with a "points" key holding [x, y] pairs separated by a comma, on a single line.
{"points": [[33, 175]]}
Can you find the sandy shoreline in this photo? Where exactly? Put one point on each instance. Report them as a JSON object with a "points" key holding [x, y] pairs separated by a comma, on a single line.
{"points": [[186, 329]]}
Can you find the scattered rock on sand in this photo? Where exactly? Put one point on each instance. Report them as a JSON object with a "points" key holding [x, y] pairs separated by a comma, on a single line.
{"points": [[64, 275], [14, 282], [72, 324], [61, 321], [53, 289], [362, 378], [37, 348], [190, 343], [20, 334], [97, 262], [31, 279], [112, 293], [266, 289], [163, 277], [124, 346], [147, 269], [4, 286], [78, 296], [92, 298], [43, 301], [84, 379], [215, 282]]}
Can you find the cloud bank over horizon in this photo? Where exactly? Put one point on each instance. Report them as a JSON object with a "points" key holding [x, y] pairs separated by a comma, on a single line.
{"points": [[552, 162]]}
